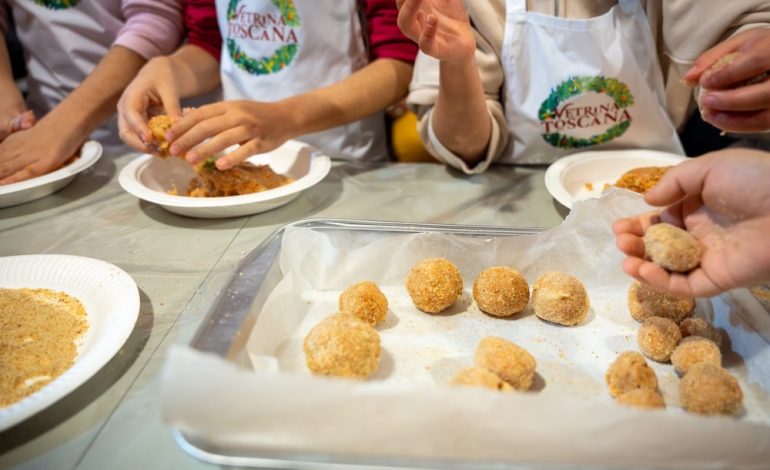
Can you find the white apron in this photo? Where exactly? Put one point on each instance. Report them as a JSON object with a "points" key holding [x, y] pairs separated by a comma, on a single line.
{"points": [[582, 84], [63, 42], [274, 49]]}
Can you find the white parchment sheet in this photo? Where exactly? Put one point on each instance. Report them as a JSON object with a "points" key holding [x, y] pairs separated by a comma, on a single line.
{"points": [[406, 410]]}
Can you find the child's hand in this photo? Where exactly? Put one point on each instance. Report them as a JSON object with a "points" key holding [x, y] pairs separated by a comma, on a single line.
{"points": [[13, 120], [154, 86], [736, 94], [206, 131], [730, 220], [440, 27]]}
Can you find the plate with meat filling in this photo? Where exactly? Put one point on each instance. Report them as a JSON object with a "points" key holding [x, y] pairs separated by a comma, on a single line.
{"points": [[588, 174], [261, 183]]}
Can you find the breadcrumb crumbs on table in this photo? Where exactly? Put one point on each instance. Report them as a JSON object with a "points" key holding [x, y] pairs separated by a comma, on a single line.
{"points": [[39, 330]]}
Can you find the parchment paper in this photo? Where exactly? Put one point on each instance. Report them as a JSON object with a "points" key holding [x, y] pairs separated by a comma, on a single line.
{"points": [[406, 410]]}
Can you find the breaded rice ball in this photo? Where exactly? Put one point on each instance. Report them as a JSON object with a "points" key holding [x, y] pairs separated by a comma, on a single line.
{"points": [[672, 248], [560, 298], [341, 345], [702, 328], [710, 390], [501, 291], [366, 301], [477, 377], [629, 372], [434, 284], [692, 350], [510, 362], [645, 302], [658, 337], [159, 126], [642, 398]]}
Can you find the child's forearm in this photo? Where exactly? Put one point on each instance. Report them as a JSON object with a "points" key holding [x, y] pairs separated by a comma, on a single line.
{"points": [[460, 119]]}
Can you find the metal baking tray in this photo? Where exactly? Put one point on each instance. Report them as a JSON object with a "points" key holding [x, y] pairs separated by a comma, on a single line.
{"points": [[225, 331]]}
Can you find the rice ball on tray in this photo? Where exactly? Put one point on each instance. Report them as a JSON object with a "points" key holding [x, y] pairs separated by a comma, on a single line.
{"points": [[710, 390], [672, 248], [692, 350], [512, 363], [560, 298], [501, 291], [642, 398], [478, 377], [434, 284], [366, 301], [658, 337], [702, 328], [342, 345], [630, 372], [645, 302]]}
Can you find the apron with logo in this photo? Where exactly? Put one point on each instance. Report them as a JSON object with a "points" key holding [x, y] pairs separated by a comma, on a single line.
{"points": [[274, 49], [63, 41], [582, 84]]}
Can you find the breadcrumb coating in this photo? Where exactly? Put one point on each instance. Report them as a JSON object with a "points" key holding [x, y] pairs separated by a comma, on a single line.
{"points": [[366, 301], [642, 398], [341, 345], [629, 372], [434, 284], [692, 350], [645, 302], [560, 298], [672, 248], [501, 291], [512, 363], [658, 337], [702, 328], [477, 377], [710, 390]]}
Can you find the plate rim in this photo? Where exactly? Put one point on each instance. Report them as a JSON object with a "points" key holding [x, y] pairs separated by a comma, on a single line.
{"points": [[91, 152], [554, 171], [319, 168], [128, 313]]}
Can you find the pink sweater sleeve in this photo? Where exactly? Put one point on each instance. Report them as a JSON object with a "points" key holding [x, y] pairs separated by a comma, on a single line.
{"points": [[152, 27]]}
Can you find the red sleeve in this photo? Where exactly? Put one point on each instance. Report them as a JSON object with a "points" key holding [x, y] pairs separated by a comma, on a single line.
{"points": [[200, 22], [385, 39]]}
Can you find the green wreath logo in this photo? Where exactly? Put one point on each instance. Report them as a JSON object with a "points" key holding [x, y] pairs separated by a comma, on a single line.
{"points": [[574, 86], [282, 57], [58, 4]]}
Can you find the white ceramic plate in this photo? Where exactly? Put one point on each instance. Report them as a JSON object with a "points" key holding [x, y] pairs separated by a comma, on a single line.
{"points": [[583, 175], [149, 178], [35, 188], [111, 300]]}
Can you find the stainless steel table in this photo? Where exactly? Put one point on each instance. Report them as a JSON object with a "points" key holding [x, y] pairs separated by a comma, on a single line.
{"points": [[113, 420]]}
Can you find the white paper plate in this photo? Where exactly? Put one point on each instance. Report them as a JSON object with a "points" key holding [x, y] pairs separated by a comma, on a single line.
{"points": [[568, 178], [149, 178], [35, 188], [111, 300]]}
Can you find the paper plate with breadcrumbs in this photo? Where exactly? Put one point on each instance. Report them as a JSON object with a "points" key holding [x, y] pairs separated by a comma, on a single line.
{"points": [[110, 304]]}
